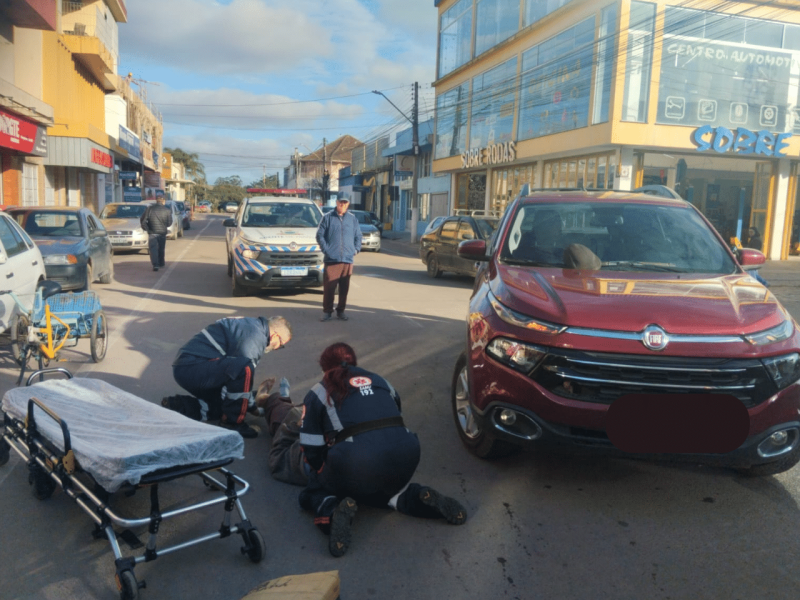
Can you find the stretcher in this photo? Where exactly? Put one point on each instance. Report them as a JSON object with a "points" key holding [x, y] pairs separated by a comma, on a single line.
{"points": [[98, 442]]}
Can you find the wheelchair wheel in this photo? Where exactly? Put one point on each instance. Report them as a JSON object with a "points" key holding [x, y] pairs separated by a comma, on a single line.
{"points": [[256, 548], [99, 336], [19, 339], [128, 586]]}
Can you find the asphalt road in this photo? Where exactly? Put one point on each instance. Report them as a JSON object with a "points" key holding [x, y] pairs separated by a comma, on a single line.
{"points": [[541, 525]]}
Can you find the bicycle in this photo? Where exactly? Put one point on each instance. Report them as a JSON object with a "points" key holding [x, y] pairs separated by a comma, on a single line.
{"points": [[55, 317]]}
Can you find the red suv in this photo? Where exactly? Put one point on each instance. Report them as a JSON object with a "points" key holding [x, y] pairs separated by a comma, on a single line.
{"points": [[586, 303]]}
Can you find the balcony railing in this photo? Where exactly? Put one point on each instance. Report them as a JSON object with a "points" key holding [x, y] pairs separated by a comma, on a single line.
{"points": [[68, 6]]}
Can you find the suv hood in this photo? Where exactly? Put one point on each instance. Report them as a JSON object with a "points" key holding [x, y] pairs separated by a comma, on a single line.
{"points": [[278, 235], [680, 303]]}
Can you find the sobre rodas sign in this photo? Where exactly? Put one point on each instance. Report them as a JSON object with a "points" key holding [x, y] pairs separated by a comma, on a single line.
{"points": [[490, 155], [740, 141]]}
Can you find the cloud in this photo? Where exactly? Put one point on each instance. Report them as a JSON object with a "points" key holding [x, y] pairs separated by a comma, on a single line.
{"points": [[239, 109]]}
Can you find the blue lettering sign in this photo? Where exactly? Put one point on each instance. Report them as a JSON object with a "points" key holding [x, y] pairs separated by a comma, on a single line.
{"points": [[741, 141]]}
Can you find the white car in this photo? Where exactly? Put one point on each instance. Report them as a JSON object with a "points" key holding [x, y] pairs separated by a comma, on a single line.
{"points": [[21, 269], [272, 243]]}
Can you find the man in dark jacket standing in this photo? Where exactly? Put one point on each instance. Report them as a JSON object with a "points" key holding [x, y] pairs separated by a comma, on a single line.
{"points": [[339, 236], [218, 364], [155, 221]]}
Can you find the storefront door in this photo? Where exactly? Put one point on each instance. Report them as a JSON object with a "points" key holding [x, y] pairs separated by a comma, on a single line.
{"points": [[759, 212]]}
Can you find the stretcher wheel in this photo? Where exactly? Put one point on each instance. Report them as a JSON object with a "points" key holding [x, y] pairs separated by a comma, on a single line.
{"points": [[128, 586], [256, 547], [43, 485], [99, 336], [4, 452], [19, 339]]}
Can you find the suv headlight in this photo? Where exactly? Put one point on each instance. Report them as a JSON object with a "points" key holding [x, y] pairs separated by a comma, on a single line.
{"points": [[772, 335], [514, 318], [251, 253], [60, 259], [784, 370], [521, 357]]}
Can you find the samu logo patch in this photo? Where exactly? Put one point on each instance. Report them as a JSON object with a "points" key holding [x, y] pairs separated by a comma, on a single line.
{"points": [[364, 385]]}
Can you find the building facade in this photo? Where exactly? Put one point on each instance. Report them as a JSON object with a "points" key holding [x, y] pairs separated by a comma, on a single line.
{"points": [[310, 170], [702, 98]]}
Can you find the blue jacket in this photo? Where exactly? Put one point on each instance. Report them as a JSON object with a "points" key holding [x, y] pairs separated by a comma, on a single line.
{"points": [[240, 337], [339, 237]]}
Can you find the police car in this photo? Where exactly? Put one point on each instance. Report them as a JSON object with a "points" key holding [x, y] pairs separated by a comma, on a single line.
{"points": [[271, 243]]}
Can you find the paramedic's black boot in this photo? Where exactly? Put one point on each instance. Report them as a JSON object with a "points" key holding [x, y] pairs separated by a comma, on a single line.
{"points": [[243, 429], [449, 508], [341, 523]]}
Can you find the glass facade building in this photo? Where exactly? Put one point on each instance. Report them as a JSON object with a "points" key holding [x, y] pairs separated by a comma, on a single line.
{"points": [[619, 94]]}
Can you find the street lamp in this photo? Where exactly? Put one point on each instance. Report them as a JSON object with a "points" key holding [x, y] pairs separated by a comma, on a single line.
{"points": [[415, 142]]}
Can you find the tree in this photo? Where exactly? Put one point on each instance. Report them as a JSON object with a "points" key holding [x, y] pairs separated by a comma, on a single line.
{"points": [[272, 182], [226, 189]]}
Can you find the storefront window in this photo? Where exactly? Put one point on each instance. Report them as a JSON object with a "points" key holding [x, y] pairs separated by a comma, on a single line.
{"points": [[605, 64], [493, 94], [538, 9], [725, 70], [471, 191], [638, 62], [497, 20], [451, 122], [455, 37], [507, 183], [585, 171], [555, 83]]}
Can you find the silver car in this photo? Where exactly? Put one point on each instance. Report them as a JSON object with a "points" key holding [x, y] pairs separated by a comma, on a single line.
{"points": [[121, 220], [370, 236]]}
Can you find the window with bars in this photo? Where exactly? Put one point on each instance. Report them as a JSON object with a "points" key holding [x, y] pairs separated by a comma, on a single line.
{"points": [[30, 185]]}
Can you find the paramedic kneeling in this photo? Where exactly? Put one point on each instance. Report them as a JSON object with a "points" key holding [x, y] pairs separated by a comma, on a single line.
{"points": [[218, 364], [359, 450]]}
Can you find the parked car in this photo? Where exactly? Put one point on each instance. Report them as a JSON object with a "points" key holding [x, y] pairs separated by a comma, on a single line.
{"points": [[370, 235], [122, 222], [74, 244], [230, 207], [434, 224], [585, 298], [175, 230], [272, 242], [438, 248], [21, 267], [203, 206], [186, 215]]}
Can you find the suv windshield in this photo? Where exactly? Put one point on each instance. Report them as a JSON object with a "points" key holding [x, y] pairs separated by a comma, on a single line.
{"points": [[624, 236], [280, 214], [123, 211]]}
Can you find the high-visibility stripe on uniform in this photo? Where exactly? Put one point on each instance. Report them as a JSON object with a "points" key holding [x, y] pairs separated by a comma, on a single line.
{"points": [[214, 342]]}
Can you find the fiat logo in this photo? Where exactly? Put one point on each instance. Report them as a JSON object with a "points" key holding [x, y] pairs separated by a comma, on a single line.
{"points": [[655, 338], [293, 246]]}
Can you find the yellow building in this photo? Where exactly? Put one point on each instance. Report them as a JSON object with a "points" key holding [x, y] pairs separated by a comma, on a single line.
{"points": [[703, 98]]}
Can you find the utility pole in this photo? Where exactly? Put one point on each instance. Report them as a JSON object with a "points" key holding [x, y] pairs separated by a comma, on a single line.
{"points": [[325, 175], [415, 142]]}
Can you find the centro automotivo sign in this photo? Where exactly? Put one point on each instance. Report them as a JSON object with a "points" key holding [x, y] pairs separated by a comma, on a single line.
{"points": [[489, 155], [740, 141]]}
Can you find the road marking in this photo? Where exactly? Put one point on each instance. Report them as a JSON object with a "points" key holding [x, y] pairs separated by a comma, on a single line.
{"points": [[139, 308], [399, 314]]}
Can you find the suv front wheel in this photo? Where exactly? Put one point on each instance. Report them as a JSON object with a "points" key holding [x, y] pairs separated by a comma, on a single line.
{"points": [[477, 440]]}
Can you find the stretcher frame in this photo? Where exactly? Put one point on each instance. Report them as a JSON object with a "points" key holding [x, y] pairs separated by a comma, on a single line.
{"points": [[50, 467]]}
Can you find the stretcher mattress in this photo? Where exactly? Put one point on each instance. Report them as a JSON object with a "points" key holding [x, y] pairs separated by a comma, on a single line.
{"points": [[117, 437]]}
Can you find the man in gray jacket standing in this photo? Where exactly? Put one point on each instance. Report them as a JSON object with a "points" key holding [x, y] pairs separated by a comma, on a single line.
{"points": [[339, 237], [155, 221]]}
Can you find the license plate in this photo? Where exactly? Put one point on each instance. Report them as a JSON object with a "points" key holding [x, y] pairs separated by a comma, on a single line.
{"points": [[116, 240], [294, 271]]}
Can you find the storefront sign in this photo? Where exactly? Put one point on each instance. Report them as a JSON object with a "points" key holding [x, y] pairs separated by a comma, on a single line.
{"points": [[128, 175], [20, 134], [129, 142], [740, 141], [132, 194], [101, 158], [490, 155]]}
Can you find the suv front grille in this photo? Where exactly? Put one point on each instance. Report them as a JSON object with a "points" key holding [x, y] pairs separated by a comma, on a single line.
{"points": [[602, 378], [291, 259]]}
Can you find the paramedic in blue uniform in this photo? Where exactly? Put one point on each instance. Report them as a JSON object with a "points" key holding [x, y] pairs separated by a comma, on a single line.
{"points": [[218, 364], [359, 451]]}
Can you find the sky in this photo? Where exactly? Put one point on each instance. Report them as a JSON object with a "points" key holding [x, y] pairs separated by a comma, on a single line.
{"points": [[245, 82]]}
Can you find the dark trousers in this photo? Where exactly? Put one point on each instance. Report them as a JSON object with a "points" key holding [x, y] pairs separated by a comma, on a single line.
{"points": [[286, 460], [335, 274], [224, 386], [157, 243]]}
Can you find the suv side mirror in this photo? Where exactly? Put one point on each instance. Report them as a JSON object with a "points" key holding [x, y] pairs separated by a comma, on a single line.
{"points": [[229, 223], [473, 250], [750, 259]]}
